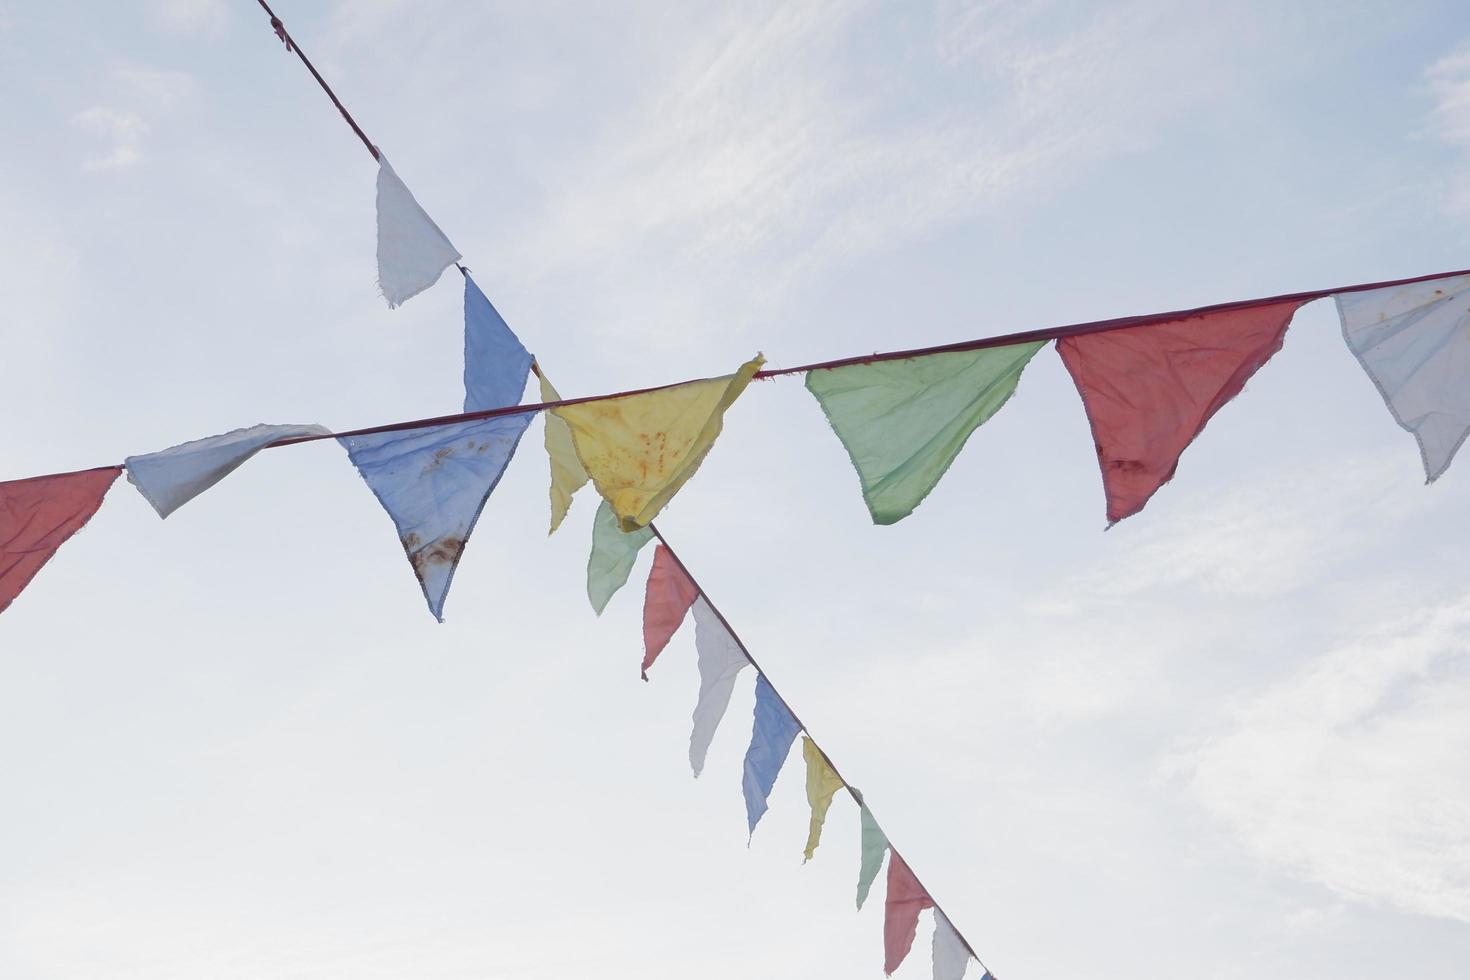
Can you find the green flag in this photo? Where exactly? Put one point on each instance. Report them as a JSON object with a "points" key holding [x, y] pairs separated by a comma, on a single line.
{"points": [[875, 843], [613, 554], [904, 422]]}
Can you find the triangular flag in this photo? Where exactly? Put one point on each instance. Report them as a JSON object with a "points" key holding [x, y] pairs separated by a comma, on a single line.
{"points": [[1414, 342], [951, 957], [720, 661], [770, 741], [434, 482], [670, 594], [412, 251], [822, 783], [904, 422], [172, 477], [874, 846], [37, 515], [640, 449], [613, 553], [906, 899], [567, 474], [496, 363], [1150, 389]]}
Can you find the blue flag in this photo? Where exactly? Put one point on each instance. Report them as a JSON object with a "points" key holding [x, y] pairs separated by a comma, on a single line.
{"points": [[434, 482], [770, 741], [495, 362]]}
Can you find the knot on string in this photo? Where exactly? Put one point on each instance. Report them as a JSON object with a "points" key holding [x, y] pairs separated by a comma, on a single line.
{"points": [[280, 30]]}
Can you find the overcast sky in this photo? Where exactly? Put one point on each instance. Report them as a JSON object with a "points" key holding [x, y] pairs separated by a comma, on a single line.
{"points": [[1227, 738]]}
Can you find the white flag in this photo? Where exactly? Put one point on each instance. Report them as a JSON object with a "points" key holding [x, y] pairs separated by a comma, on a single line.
{"points": [[172, 477], [412, 251], [950, 955], [720, 661], [1414, 342]]}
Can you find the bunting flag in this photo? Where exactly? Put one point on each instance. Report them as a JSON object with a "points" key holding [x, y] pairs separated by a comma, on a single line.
{"points": [[770, 741], [1150, 389], [904, 422], [567, 474], [640, 449], [412, 251], [433, 483], [822, 783], [720, 662], [669, 595], [613, 553], [1414, 342], [172, 477], [906, 899], [37, 515], [951, 957], [874, 846], [496, 363]]}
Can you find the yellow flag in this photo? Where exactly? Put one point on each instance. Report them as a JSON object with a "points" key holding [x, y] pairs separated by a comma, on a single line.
{"points": [[821, 784], [567, 475], [640, 449]]}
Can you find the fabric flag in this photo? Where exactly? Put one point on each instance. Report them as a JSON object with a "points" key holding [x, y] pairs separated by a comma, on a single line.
{"points": [[37, 515], [720, 661], [567, 474], [822, 783], [906, 899], [1414, 342], [904, 422], [172, 477], [1150, 389], [950, 955], [433, 483], [770, 741], [640, 449], [613, 553], [496, 363], [412, 251], [874, 846], [669, 595]]}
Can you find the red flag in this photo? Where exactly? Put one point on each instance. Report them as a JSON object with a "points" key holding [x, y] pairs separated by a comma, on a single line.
{"points": [[906, 899], [1150, 389], [669, 596], [37, 515]]}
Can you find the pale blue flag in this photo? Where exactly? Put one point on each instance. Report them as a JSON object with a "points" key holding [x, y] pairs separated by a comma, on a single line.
{"points": [[434, 482], [770, 742], [496, 364], [172, 477], [1414, 342]]}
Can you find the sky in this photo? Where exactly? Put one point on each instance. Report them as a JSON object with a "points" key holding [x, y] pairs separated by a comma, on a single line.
{"points": [[1226, 737]]}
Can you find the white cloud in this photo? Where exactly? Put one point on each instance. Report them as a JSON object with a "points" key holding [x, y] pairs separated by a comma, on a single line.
{"points": [[1449, 82], [206, 18], [122, 134], [1351, 773], [139, 92]]}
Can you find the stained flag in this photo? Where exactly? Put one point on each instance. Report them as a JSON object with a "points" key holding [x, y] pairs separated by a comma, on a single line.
{"points": [[720, 662], [822, 783], [1414, 342], [567, 474], [904, 422], [613, 553], [172, 477], [770, 741], [951, 957], [1150, 389], [640, 449], [433, 483], [874, 846], [38, 514], [669, 595], [412, 251], [906, 899]]}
